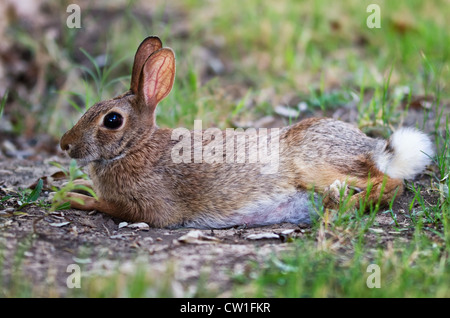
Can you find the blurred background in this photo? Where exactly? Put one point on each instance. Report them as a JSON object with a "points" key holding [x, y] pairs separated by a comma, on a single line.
{"points": [[239, 64]]}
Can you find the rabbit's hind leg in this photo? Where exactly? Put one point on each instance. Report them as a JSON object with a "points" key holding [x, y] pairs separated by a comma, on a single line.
{"points": [[379, 191]]}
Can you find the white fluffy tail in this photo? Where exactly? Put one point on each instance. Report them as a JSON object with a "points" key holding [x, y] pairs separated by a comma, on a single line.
{"points": [[407, 153]]}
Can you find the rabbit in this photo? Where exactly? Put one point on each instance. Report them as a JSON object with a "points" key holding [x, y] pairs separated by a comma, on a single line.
{"points": [[136, 179]]}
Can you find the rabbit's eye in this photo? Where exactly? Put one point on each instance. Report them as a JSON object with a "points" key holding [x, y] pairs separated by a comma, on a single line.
{"points": [[113, 120]]}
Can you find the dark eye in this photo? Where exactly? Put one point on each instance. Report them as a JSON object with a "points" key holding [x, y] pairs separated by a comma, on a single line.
{"points": [[113, 120]]}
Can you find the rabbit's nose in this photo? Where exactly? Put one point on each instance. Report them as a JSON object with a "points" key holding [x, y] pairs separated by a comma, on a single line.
{"points": [[65, 146]]}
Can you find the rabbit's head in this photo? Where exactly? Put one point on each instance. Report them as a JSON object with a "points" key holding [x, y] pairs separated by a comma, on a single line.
{"points": [[111, 128]]}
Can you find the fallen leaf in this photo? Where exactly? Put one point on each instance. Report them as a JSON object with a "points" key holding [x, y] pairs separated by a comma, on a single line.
{"points": [[285, 111], [420, 102], [287, 232], [262, 236], [285, 235], [59, 175], [60, 224], [141, 226], [42, 183], [197, 237], [82, 260], [18, 213], [5, 224], [148, 239], [122, 224]]}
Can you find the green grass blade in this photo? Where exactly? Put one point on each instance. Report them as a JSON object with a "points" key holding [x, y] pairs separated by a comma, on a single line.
{"points": [[34, 195], [3, 103]]}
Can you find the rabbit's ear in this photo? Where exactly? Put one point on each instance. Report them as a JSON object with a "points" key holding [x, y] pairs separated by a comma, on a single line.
{"points": [[157, 77], [145, 49]]}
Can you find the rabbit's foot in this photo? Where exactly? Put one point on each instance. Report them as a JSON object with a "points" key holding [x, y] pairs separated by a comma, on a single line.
{"points": [[81, 201], [84, 202], [87, 203], [338, 188], [335, 193], [84, 182]]}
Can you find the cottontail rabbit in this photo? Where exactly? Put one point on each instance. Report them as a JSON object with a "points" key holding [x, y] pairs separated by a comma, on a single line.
{"points": [[136, 177]]}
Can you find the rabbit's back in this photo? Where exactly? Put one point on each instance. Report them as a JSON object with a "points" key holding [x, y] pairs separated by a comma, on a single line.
{"points": [[332, 141]]}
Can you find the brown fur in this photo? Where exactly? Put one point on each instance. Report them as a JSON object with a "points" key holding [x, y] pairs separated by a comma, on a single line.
{"points": [[136, 179]]}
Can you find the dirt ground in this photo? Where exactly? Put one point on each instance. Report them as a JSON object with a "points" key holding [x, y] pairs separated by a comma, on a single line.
{"points": [[49, 242]]}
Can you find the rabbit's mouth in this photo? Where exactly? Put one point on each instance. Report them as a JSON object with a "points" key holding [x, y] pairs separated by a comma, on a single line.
{"points": [[82, 162], [83, 158]]}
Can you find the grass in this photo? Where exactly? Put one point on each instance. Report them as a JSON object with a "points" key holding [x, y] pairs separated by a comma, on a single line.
{"points": [[283, 52], [405, 271], [3, 103], [60, 199]]}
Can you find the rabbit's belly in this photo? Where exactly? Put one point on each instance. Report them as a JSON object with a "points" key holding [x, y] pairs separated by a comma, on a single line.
{"points": [[293, 209], [296, 208]]}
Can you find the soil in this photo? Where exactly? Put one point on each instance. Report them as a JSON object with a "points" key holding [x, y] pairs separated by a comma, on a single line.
{"points": [[46, 243]]}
